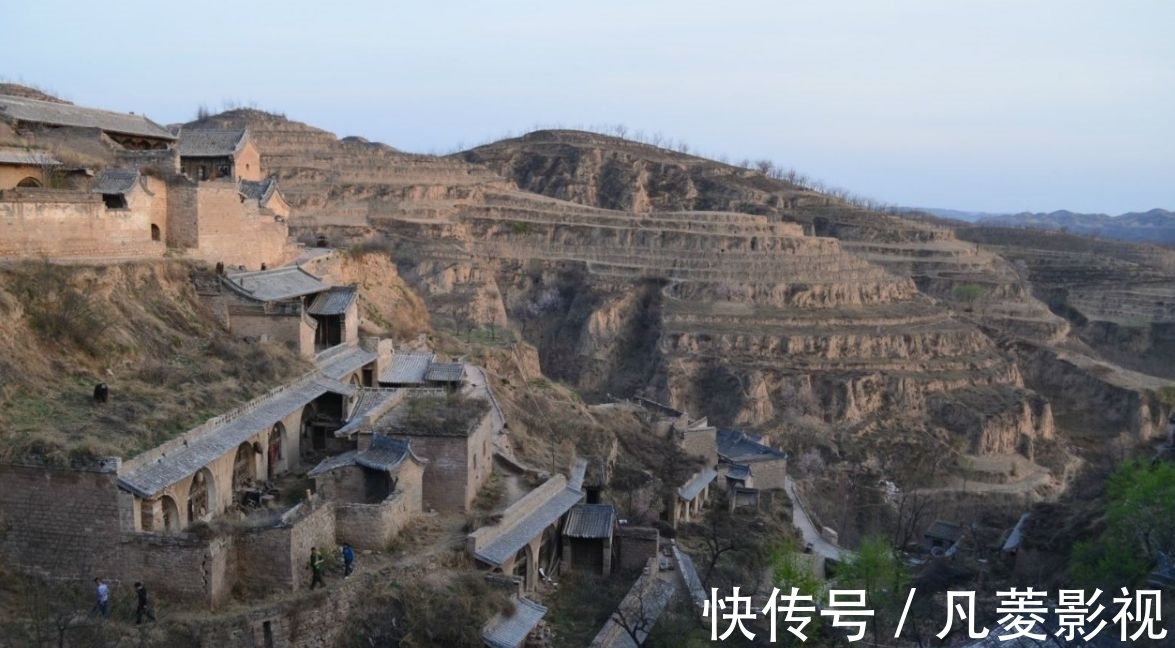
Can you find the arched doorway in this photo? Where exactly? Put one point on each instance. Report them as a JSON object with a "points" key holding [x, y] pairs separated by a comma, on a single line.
{"points": [[307, 430], [171, 514], [155, 234], [274, 451], [29, 183], [201, 496], [244, 467]]}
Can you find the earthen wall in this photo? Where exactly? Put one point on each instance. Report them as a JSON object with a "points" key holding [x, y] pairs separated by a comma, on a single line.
{"points": [[63, 224]]}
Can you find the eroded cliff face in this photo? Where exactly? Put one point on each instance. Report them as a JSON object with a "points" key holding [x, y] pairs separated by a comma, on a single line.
{"points": [[636, 270]]}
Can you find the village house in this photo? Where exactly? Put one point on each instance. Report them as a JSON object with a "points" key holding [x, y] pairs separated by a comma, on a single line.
{"points": [[587, 538], [125, 130], [692, 497], [217, 154], [25, 167], [749, 463], [512, 630], [376, 490]]}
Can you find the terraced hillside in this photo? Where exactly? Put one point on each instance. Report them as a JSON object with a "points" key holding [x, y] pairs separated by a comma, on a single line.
{"points": [[756, 302]]}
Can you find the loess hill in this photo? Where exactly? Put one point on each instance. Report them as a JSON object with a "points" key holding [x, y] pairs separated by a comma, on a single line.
{"points": [[749, 299]]}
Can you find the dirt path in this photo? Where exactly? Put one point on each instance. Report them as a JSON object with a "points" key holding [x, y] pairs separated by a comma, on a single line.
{"points": [[809, 531]]}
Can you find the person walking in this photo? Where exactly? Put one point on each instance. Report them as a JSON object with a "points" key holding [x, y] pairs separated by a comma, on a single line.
{"points": [[101, 598], [144, 607], [316, 562], [348, 559]]}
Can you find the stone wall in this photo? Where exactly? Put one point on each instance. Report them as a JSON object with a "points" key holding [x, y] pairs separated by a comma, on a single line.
{"points": [[165, 160], [295, 330], [72, 225], [636, 545], [59, 521], [180, 567], [211, 222], [457, 466], [275, 559], [769, 474]]}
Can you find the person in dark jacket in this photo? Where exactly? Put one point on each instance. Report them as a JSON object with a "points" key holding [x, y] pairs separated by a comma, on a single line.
{"points": [[348, 559], [144, 608], [316, 566]]}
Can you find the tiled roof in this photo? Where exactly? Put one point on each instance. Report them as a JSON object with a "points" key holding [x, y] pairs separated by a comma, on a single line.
{"points": [[25, 157], [406, 369], [59, 114], [345, 360], [525, 530], [334, 301], [445, 372], [696, 483], [276, 284], [511, 631], [372, 404], [260, 190], [149, 479], [741, 472], [384, 454], [740, 447], [200, 142], [590, 521], [945, 531], [115, 181]]}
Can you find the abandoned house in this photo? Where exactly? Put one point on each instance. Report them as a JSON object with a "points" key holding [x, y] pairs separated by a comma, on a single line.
{"points": [[290, 306], [587, 538], [124, 130], [376, 490], [25, 168], [941, 536], [267, 196], [525, 541], [218, 154], [749, 461]]}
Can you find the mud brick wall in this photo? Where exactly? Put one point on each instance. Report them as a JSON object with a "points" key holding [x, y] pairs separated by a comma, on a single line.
{"points": [[636, 546], [72, 224], [180, 567], [769, 474], [59, 521]]}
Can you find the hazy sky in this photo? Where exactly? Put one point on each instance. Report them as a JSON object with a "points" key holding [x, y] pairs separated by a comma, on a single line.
{"points": [[980, 105]]}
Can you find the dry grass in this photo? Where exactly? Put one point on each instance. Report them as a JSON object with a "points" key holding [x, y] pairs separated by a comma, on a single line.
{"points": [[139, 328]]}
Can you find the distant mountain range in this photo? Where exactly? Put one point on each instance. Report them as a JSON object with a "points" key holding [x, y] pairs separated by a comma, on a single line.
{"points": [[1154, 226]]}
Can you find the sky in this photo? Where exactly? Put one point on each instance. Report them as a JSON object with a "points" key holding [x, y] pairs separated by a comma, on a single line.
{"points": [[979, 105]]}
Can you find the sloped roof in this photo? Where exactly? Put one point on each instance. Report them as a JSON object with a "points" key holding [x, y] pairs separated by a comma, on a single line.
{"points": [[223, 438], [276, 284], [700, 480], [511, 631], [407, 368], [739, 447], [1013, 541], [590, 521], [335, 301], [523, 531], [209, 142], [25, 157], [259, 190], [740, 472], [445, 372], [60, 114], [384, 455], [115, 181], [372, 404], [344, 360]]}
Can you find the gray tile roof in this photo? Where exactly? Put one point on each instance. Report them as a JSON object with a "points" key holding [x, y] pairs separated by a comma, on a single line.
{"points": [[741, 472], [276, 284], [25, 157], [346, 361], [372, 404], [260, 190], [511, 631], [406, 369], [115, 181], [696, 483], [740, 447], [384, 455], [208, 142], [1013, 541], [590, 521], [224, 437], [334, 301], [506, 545], [445, 372], [59, 114]]}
